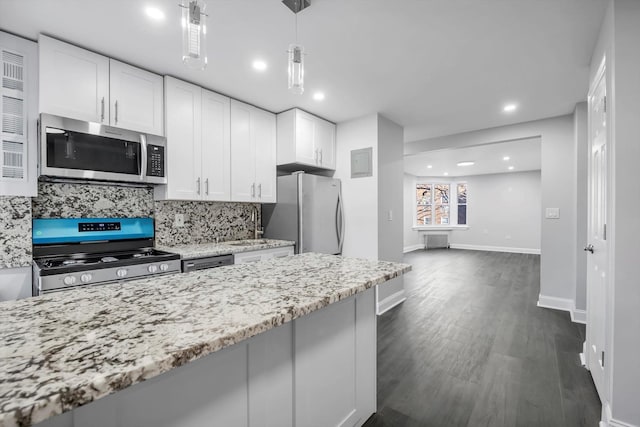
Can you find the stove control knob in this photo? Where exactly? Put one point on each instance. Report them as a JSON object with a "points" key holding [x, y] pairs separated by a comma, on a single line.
{"points": [[86, 278], [152, 269], [164, 267], [121, 273], [69, 280]]}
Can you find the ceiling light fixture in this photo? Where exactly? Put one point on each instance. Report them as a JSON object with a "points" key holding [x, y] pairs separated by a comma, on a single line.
{"points": [[318, 96], [194, 33], [510, 168], [429, 166], [466, 163], [296, 51], [154, 13], [259, 65], [446, 174], [509, 108], [505, 158]]}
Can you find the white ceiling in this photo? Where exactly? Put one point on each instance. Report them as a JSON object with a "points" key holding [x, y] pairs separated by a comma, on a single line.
{"points": [[434, 66], [524, 155]]}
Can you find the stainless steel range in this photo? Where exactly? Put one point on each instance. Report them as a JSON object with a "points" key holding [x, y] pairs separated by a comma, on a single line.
{"points": [[71, 252]]}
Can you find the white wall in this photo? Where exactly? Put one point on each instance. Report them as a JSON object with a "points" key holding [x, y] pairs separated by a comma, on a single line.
{"points": [[503, 213], [390, 203], [558, 190], [412, 239], [360, 194], [618, 41]]}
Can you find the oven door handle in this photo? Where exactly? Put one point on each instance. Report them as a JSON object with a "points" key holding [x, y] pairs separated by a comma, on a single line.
{"points": [[143, 157]]}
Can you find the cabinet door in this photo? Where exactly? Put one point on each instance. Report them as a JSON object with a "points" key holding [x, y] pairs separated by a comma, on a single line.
{"points": [[263, 129], [135, 99], [325, 137], [216, 146], [243, 160], [306, 150], [183, 104], [73, 82]]}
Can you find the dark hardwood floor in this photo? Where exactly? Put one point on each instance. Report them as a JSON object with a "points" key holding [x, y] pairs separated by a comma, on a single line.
{"points": [[470, 347]]}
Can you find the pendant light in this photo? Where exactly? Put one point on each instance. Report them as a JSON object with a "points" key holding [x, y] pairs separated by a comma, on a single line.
{"points": [[296, 51], [194, 33]]}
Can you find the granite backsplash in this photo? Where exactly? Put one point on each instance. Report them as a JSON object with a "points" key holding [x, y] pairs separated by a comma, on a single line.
{"points": [[15, 232], [204, 221]]}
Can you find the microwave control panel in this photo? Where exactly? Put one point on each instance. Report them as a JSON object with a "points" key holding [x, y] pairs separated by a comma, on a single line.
{"points": [[155, 160]]}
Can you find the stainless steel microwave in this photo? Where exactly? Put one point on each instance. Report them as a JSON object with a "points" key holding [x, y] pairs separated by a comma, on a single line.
{"points": [[76, 149]]}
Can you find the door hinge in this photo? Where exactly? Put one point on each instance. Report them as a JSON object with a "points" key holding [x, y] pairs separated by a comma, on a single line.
{"points": [[602, 360], [604, 232]]}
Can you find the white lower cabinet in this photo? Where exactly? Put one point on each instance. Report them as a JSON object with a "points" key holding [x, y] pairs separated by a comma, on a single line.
{"points": [[253, 154], [261, 255], [318, 370]]}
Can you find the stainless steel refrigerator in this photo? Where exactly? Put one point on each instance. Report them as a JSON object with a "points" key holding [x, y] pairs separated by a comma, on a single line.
{"points": [[309, 211]]}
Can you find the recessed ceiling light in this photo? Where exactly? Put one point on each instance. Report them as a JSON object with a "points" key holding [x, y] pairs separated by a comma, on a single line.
{"points": [[154, 13], [429, 166], [446, 173], [510, 168], [467, 163], [318, 96], [505, 158], [509, 108], [259, 65]]}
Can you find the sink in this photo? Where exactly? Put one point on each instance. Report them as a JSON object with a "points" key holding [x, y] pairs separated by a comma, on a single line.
{"points": [[248, 242]]}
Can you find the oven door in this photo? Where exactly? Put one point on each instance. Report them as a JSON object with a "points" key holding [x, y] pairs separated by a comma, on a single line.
{"points": [[76, 149]]}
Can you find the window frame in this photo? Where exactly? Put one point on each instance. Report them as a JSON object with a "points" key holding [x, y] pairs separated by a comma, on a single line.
{"points": [[453, 204]]}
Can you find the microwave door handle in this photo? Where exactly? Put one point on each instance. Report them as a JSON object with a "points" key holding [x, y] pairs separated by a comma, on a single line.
{"points": [[143, 157]]}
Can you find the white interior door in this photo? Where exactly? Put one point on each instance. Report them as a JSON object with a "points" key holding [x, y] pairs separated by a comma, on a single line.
{"points": [[597, 280]]}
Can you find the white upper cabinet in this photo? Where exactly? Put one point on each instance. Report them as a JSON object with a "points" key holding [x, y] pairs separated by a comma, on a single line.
{"points": [[305, 140], [135, 98], [18, 116], [216, 146], [183, 104], [253, 154], [83, 85], [198, 144], [73, 82]]}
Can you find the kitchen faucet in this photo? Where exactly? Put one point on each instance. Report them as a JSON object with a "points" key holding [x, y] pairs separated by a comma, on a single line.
{"points": [[257, 231]]}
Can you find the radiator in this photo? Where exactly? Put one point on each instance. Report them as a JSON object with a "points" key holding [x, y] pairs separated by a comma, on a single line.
{"points": [[433, 241]]}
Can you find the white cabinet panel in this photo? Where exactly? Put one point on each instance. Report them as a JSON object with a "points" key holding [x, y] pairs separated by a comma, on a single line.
{"points": [[18, 116], [264, 134], [305, 140], [261, 255], [242, 154], [253, 154], [183, 103], [73, 82], [136, 98], [216, 146]]}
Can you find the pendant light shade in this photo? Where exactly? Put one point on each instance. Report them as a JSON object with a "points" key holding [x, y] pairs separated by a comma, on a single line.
{"points": [[194, 34], [296, 69]]}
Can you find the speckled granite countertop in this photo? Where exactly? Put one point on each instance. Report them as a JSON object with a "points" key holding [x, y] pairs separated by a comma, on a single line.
{"points": [[224, 248], [63, 350]]}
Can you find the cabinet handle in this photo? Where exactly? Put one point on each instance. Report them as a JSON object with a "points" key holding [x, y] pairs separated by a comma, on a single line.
{"points": [[316, 156], [116, 105], [102, 110], [321, 156], [253, 190], [260, 191], [206, 186], [198, 185]]}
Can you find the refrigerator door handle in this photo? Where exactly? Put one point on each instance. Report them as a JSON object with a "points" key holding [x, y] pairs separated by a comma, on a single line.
{"points": [[340, 222]]}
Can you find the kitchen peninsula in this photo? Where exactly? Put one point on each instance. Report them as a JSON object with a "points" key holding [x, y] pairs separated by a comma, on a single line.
{"points": [[287, 341]]}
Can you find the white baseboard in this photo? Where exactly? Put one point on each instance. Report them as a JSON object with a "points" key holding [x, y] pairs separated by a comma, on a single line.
{"points": [[578, 316], [391, 301], [494, 248], [564, 304], [609, 421], [412, 248]]}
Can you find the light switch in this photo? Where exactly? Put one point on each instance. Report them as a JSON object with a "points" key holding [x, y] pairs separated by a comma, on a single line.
{"points": [[179, 220], [552, 213]]}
